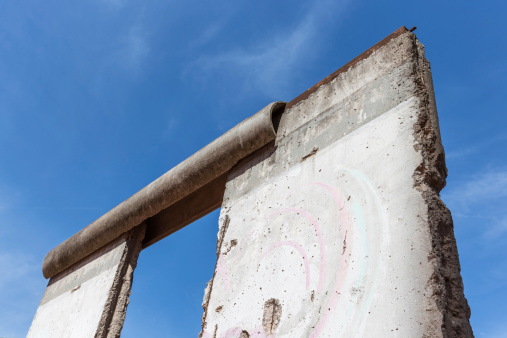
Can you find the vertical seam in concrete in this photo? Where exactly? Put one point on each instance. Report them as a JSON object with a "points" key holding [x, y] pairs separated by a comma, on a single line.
{"points": [[113, 316]]}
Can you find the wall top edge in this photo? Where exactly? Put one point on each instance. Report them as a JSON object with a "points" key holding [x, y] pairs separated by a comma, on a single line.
{"points": [[346, 67]]}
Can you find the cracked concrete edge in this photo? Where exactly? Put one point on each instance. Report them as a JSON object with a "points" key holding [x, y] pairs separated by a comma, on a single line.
{"points": [[445, 285], [209, 286], [115, 309]]}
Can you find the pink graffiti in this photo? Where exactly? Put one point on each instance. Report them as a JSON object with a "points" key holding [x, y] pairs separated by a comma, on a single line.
{"points": [[235, 332], [222, 271], [343, 268], [245, 241], [319, 236], [301, 251], [259, 333]]}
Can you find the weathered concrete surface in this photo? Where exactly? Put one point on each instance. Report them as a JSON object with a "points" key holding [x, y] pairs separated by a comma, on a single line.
{"points": [[190, 175], [90, 298], [337, 229]]}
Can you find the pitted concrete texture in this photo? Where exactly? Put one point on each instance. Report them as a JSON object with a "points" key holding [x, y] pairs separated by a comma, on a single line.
{"points": [[90, 298], [337, 229]]}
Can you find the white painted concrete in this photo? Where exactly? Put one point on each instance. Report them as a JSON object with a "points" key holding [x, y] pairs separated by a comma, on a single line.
{"points": [[74, 300]]}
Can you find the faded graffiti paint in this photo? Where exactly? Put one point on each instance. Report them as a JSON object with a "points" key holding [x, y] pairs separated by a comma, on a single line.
{"points": [[351, 235]]}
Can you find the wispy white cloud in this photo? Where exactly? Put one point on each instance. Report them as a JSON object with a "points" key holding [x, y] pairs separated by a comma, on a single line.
{"points": [[483, 197], [21, 281], [9, 199], [486, 186], [269, 65], [14, 267], [498, 330], [172, 123], [135, 48], [497, 228], [212, 30], [461, 152], [209, 33], [21, 284], [114, 4], [472, 149], [127, 55]]}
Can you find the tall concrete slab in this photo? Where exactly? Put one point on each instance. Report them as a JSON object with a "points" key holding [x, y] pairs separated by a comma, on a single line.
{"points": [[336, 229], [90, 298]]}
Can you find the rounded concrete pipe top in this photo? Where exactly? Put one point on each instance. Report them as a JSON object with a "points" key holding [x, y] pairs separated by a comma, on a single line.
{"points": [[215, 159]]}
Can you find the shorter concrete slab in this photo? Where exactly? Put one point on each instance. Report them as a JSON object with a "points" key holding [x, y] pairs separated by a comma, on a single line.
{"points": [[90, 298]]}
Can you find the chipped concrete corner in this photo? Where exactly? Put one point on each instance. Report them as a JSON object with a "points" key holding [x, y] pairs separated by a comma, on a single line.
{"points": [[90, 298], [337, 229]]}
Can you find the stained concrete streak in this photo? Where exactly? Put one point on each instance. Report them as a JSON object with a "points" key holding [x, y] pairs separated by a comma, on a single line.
{"points": [[313, 152]]}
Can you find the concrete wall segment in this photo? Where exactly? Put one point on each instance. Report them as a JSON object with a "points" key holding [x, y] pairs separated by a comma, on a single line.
{"points": [[339, 221], [322, 237], [89, 298]]}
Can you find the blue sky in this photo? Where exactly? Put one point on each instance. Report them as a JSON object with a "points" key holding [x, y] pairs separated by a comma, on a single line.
{"points": [[98, 98]]}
